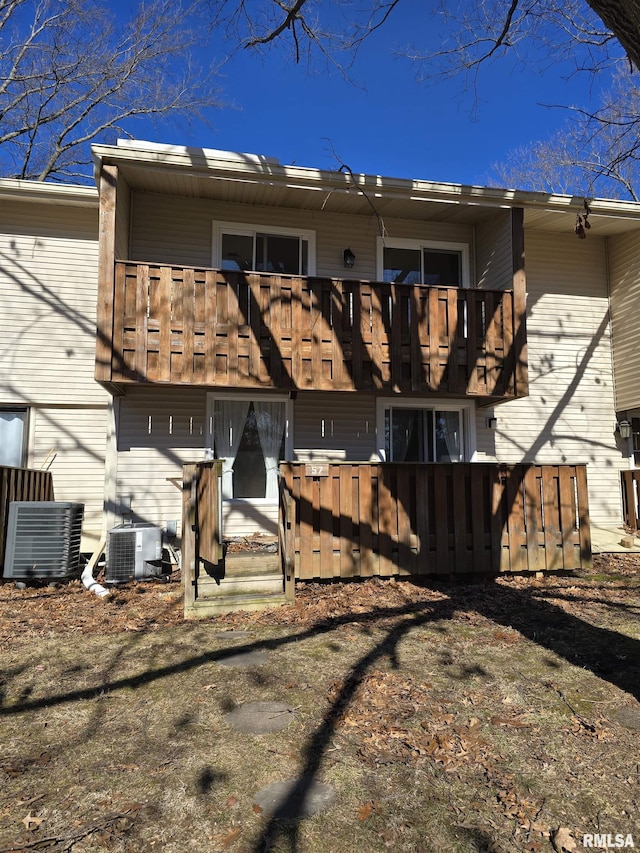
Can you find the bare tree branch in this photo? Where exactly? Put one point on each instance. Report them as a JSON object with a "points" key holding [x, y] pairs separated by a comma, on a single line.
{"points": [[592, 35], [596, 152], [57, 94], [291, 15]]}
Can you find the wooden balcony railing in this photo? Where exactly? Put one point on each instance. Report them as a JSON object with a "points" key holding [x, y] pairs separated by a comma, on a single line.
{"points": [[253, 330]]}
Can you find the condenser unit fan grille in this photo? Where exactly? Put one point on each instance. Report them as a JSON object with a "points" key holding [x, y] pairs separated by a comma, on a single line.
{"points": [[43, 539], [122, 557], [134, 551]]}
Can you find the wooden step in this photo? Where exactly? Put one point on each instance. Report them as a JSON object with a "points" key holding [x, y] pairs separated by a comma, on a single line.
{"points": [[238, 565], [225, 603], [264, 582]]}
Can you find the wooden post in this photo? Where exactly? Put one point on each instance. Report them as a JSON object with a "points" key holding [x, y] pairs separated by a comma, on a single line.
{"points": [[106, 277], [521, 366], [290, 549], [189, 555], [586, 555]]}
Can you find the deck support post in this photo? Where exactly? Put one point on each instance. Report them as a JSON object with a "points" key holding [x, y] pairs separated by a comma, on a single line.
{"points": [[189, 555]]}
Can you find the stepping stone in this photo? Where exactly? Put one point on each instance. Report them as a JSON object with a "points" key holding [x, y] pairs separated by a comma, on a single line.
{"points": [[253, 658], [295, 798], [260, 717], [232, 635], [629, 717]]}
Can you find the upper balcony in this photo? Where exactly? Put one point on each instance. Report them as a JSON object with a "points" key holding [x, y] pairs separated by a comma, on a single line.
{"points": [[206, 327]]}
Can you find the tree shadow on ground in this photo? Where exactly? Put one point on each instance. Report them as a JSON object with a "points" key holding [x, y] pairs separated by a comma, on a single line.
{"points": [[608, 654]]}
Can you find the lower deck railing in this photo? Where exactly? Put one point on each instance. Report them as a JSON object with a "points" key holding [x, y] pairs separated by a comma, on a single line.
{"points": [[362, 520], [438, 519], [630, 481]]}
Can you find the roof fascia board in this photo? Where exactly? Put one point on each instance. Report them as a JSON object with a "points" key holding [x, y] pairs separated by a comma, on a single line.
{"points": [[14, 189], [268, 172]]}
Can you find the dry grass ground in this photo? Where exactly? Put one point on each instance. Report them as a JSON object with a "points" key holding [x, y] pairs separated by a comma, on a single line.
{"points": [[447, 718]]}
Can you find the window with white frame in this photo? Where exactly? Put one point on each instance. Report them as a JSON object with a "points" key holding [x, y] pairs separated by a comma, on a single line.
{"points": [[417, 431], [252, 436], [263, 249], [13, 437], [423, 262]]}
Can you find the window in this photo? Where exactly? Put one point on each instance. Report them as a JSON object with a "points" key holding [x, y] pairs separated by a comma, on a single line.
{"points": [[251, 436], [13, 437], [418, 262], [278, 250], [412, 431]]}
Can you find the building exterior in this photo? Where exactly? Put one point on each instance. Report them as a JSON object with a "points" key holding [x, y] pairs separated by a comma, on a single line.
{"points": [[52, 412], [204, 304], [228, 323]]}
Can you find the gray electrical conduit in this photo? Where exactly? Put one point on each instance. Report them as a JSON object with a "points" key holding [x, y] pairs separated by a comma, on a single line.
{"points": [[87, 575]]}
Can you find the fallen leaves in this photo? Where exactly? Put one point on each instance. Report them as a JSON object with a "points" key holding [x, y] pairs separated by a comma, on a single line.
{"points": [[31, 823], [563, 841], [373, 710], [366, 810], [597, 729], [229, 838]]}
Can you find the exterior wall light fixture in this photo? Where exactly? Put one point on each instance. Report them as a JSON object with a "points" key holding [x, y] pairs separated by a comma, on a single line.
{"points": [[349, 258], [624, 428]]}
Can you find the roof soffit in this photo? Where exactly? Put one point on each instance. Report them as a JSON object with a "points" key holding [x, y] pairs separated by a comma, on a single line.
{"points": [[266, 183]]}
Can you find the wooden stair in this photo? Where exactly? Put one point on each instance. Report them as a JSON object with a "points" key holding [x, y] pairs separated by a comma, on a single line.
{"points": [[246, 581]]}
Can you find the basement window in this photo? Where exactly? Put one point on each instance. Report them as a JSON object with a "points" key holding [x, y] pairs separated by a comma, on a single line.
{"points": [[13, 437]]}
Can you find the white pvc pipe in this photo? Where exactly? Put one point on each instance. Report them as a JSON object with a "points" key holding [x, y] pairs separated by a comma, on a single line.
{"points": [[87, 575]]}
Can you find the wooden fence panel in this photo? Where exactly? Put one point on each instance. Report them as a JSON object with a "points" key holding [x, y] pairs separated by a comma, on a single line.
{"points": [[208, 518], [20, 484], [460, 518], [201, 530]]}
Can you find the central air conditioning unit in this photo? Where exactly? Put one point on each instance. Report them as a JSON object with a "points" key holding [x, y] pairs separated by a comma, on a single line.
{"points": [[134, 552], [43, 540]]}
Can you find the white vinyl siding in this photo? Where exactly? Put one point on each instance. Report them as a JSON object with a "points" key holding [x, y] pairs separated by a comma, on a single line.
{"points": [[70, 442], [160, 430], [176, 230], [569, 414], [494, 262], [48, 295], [624, 273], [334, 427]]}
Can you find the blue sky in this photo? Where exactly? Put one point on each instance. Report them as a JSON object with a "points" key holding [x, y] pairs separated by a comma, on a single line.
{"points": [[389, 124]]}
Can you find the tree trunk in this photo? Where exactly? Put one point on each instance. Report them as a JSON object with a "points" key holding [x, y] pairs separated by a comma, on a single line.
{"points": [[623, 19]]}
